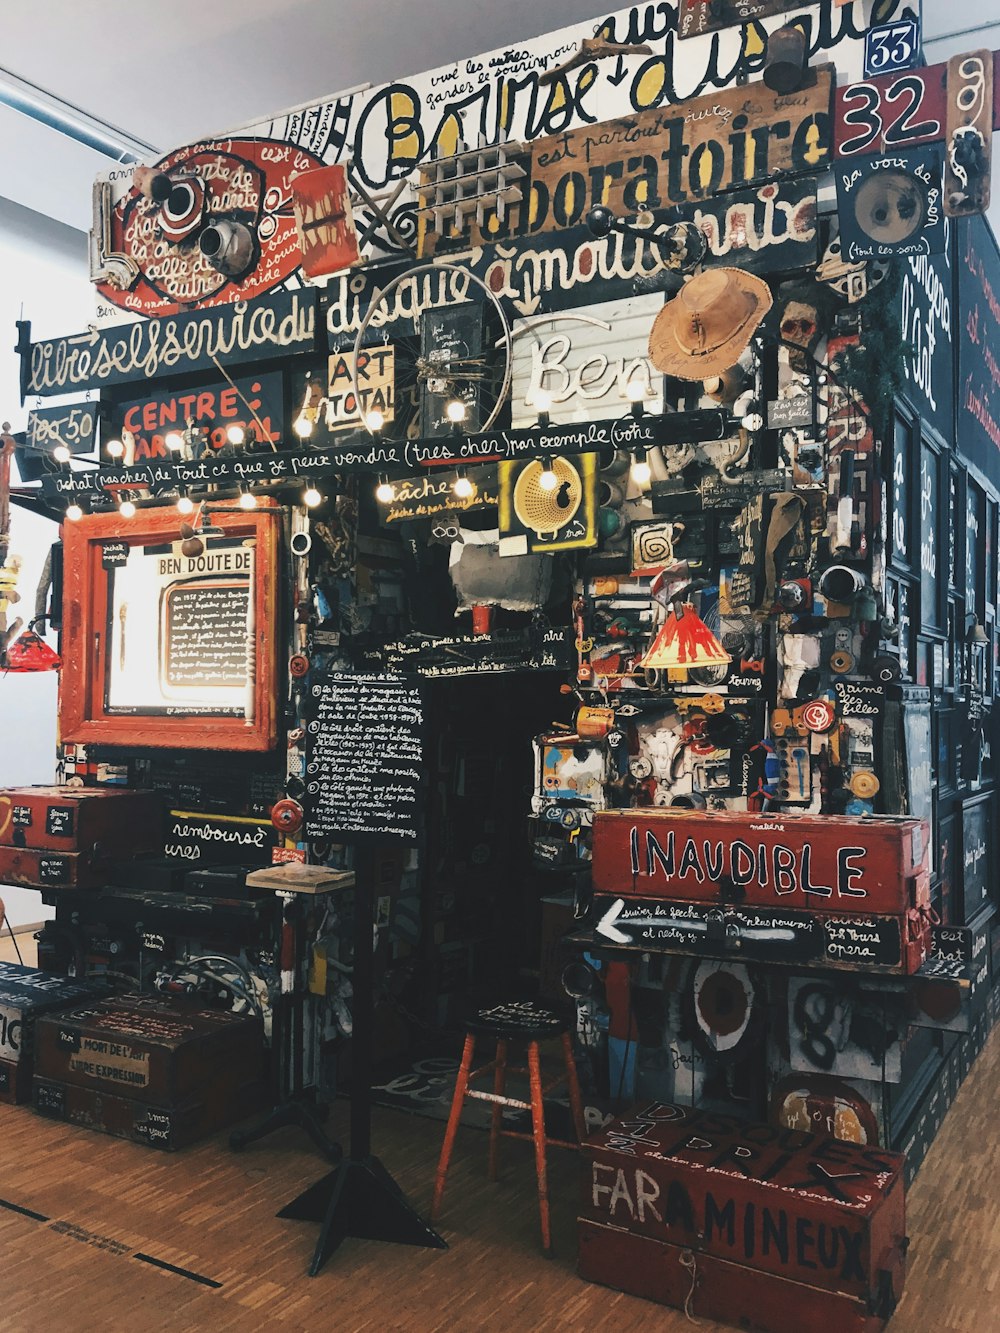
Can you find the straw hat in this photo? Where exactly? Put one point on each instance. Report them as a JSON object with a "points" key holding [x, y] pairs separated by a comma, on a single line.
{"points": [[708, 324]]}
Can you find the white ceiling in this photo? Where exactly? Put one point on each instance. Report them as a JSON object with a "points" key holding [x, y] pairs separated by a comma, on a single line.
{"points": [[170, 71]]}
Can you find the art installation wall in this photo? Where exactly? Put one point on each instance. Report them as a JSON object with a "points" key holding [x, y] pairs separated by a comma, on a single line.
{"points": [[573, 476]]}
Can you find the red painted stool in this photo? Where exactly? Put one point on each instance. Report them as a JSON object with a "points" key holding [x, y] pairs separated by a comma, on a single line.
{"points": [[520, 1022]]}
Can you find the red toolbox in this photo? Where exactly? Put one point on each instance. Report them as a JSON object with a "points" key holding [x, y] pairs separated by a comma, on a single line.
{"points": [[50, 870], [81, 819], [149, 1051], [777, 1207], [219, 1104], [26, 994], [877, 865]]}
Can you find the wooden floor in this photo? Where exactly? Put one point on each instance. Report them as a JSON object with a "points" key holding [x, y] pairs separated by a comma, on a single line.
{"points": [[91, 1204]]}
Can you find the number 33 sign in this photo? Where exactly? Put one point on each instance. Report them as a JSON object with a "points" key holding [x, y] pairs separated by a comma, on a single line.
{"points": [[891, 47]]}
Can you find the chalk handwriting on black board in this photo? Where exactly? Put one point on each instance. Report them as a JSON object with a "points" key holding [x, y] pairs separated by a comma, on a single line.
{"points": [[214, 839], [50, 1098], [797, 411], [281, 325], [364, 758], [114, 554], [72, 426], [59, 821], [53, 869], [21, 815], [206, 633]]}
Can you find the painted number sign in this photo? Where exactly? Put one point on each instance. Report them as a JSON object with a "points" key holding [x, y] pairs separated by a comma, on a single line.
{"points": [[891, 46], [893, 111]]}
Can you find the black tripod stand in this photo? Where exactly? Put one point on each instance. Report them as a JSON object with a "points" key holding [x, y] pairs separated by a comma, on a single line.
{"points": [[360, 1198], [291, 1106]]}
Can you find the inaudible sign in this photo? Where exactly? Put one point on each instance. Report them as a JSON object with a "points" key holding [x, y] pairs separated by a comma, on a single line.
{"points": [[839, 864]]}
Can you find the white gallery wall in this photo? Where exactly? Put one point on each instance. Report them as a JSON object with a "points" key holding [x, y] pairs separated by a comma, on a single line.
{"points": [[43, 276]]}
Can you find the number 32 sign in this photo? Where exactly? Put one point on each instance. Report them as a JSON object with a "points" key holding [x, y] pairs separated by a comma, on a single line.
{"points": [[891, 46]]}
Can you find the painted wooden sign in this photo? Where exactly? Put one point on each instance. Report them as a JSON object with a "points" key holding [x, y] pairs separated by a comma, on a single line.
{"points": [[433, 495], [894, 111], [813, 1209], [327, 235], [978, 264], [926, 305], [281, 325], [890, 204], [585, 361], [376, 382], [220, 184], [893, 945], [968, 158], [696, 17], [74, 427], [215, 409], [717, 143], [832, 863]]}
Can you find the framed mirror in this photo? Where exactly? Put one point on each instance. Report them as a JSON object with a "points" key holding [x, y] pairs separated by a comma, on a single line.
{"points": [[167, 647]]}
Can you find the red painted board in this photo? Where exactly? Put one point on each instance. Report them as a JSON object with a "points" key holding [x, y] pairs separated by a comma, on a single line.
{"points": [[831, 863], [800, 1206], [713, 1289], [892, 111], [72, 819]]}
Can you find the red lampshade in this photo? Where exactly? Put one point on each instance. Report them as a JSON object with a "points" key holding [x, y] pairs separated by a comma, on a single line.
{"points": [[684, 641], [28, 652]]}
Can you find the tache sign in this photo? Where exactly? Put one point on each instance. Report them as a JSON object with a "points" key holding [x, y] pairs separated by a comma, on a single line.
{"points": [[433, 494]]}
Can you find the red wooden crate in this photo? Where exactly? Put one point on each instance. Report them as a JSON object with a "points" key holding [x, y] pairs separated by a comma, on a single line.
{"points": [[827, 862], [711, 1288], [50, 870], [803, 1207], [78, 819]]}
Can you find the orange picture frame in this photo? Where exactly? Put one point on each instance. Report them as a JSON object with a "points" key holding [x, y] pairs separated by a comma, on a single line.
{"points": [[92, 547]]}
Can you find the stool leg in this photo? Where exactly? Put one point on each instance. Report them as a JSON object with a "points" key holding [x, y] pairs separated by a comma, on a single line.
{"points": [[499, 1087], [538, 1125], [454, 1115], [573, 1084]]}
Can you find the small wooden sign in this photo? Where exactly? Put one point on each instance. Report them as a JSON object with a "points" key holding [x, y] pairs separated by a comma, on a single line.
{"points": [[893, 111], [724, 141], [969, 147], [72, 427], [700, 16]]}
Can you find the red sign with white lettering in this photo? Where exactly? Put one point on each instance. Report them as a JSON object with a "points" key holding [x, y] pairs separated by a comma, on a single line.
{"points": [[828, 862]]}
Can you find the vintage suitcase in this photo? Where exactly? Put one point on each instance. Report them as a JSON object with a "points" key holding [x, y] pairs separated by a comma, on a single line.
{"points": [[807, 1208], [706, 1287], [168, 1128], [160, 1054], [891, 945], [873, 866], [50, 870], [81, 819], [26, 994]]}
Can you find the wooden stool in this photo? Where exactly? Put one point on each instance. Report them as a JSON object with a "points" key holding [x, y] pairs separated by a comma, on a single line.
{"points": [[524, 1022]]}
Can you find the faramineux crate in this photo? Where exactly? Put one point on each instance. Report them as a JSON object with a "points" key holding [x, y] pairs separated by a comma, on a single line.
{"points": [[25, 994], [877, 865], [149, 1051], [758, 1222]]}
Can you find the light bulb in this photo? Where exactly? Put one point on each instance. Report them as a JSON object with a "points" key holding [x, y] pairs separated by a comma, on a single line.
{"points": [[642, 474], [311, 497], [462, 486], [303, 428], [548, 480], [374, 421], [114, 448], [174, 440], [61, 453], [542, 401], [74, 513], [236, 434], [384, 492], [455, 410], [185, 505], [752, 421], [248, 500], [127, 509], [635, 391]]}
